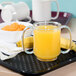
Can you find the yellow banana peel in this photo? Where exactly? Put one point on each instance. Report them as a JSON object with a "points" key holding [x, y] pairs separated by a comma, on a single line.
{"points": [[66, 42], [28, 43]]}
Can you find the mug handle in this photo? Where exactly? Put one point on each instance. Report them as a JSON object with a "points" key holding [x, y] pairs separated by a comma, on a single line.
{"points": [[29, 19], [5, 3], [66, 27], [26, 51], [57, 10]]}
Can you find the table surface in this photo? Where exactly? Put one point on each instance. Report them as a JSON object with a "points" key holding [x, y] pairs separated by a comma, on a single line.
{"points": [[68, 70]]}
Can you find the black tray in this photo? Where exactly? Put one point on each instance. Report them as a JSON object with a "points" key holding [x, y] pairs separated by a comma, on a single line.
{"points": [[29, 65]]}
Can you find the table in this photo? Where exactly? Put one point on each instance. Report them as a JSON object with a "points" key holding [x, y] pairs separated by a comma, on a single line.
{"points": [[68, 70]]}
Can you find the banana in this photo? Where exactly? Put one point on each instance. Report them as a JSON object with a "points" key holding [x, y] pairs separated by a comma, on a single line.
{"points": [[66, 42], [28, 42]]}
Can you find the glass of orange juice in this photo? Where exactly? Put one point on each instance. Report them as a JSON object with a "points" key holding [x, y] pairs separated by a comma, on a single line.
{"points": [[46, 40]]}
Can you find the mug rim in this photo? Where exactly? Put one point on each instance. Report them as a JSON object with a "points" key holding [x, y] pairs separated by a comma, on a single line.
{"points": [[45, 23]]}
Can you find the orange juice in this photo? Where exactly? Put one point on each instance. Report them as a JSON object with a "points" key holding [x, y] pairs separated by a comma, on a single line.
{"points": [[47, 42]]}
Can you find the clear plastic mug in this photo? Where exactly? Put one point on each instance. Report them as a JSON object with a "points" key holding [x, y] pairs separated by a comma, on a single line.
{"points": [[46, 40]]}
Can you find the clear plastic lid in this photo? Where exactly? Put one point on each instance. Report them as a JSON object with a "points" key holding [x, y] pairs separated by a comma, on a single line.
{"points": [[7, 13]]}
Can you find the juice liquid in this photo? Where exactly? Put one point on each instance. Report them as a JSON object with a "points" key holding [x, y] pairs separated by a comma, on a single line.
{"points": [[47, 42]]}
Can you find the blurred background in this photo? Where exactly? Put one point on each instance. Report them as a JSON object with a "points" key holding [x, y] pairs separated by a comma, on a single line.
{"points": [[65, 5]]}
